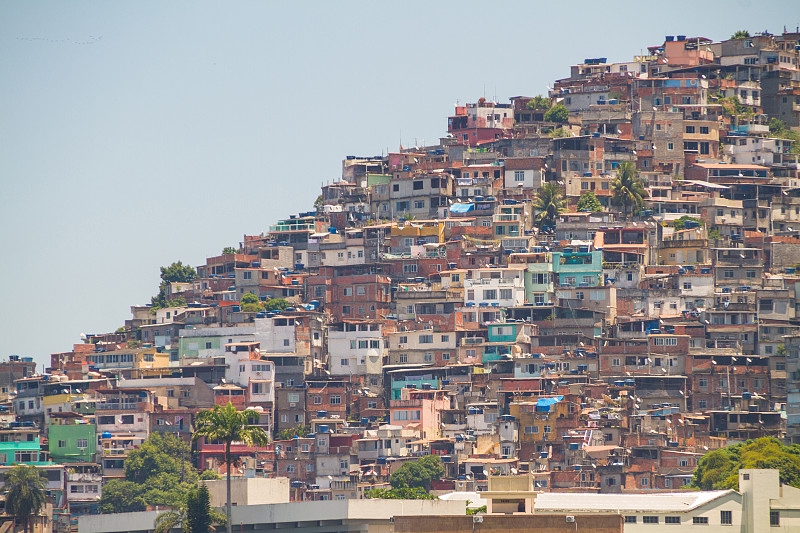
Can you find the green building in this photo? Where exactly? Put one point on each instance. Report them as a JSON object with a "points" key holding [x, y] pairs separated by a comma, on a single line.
{"points": [[71, 439]]}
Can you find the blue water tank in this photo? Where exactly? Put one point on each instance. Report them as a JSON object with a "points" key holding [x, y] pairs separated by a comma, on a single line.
{"points": [[324, 428], [105, 435]]}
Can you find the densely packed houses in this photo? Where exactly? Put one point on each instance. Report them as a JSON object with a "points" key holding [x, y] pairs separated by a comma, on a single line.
{"points": [[472, 299]]}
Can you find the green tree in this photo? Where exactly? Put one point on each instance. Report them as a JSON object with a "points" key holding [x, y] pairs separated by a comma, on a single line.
{"points": [[158, 472], [228, 425], [229, 250], [719, 469], [122, 496], [401, 493], [777, 128], [193, 515], [419, 474], [539, 103], [25, 493], [680, 223], [589, 201], [557, 113], [741, 34], [250, 303], [175, 273], [297, 431], [276, 304], [209, 474], [549, 203], [628, 188]]}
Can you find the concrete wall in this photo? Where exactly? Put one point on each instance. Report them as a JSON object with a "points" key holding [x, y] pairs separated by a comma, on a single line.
{"points": [[606, 523], [249, 491]]}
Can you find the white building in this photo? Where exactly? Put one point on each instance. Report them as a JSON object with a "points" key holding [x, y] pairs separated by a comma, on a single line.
{"points": [[355, 347], [495, 287], [762, 505]]}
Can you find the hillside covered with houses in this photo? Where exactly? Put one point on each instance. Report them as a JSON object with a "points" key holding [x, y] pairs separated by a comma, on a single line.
{"points": [[592, 287]]}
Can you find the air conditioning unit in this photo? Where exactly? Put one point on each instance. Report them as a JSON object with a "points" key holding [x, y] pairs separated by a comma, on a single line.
{"points": [[293, 404], [477, 519], [570, 518]]}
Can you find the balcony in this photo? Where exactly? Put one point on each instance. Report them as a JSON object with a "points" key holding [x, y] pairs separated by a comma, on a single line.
{"points": [[84, 477]]}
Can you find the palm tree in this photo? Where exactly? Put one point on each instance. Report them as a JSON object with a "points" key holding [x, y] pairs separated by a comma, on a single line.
{"points": [[25, 492], [628, 188], [549, 204], [228, 425], [193, 516]]}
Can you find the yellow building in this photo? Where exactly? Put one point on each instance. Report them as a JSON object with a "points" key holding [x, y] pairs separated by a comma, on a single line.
{"points": [[537, 419]]}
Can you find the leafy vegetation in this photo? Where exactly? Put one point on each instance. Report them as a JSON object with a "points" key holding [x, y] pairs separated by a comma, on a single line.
{"points": [[25, 493], [628, 189], [276, 304], [777, 128], [589, 201], [557, 113], [420, 473], [228, 250], [402, 493], [176, 272], [297, 431], [208, 475], [719, 469], [539, 103], [680, 223], [228, 425], [250, 303], [549, 203], [741, 34], [158, 472], [193, 515]]}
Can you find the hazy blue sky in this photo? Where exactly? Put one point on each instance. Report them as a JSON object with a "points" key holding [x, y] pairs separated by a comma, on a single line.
{"points": [[133, 134]]}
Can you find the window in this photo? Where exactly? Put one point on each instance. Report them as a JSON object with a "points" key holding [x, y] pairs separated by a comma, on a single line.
{"points": [[670, 146], [774, 518], [346, 309], [689, 129], [208, 346], [361, 290], [519, 175], [247, 274], [699, 520], [336, 399], [347, 291], [644, 482], [616, 362], [62, 443], [317, 400], [426, 339], [650, 520], [445, 356], [127, 419], [531, 430], [490, 294], [672, 519], [628, 519], [428, 357], [704, 130], [403, 358], [290, 469], [726, 518], [702, 404], [83, 443], [505, 294]]}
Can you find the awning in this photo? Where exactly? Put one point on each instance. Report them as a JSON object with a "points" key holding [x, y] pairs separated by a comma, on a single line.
{"points": [[461, 208]]}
